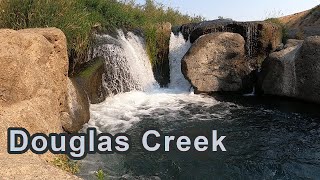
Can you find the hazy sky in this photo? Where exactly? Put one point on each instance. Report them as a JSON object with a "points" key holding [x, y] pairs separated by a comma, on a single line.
{"points": [[241, 10]]}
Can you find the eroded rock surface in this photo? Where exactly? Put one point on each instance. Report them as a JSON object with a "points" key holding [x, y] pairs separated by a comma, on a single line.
{"points": [[33, 91], [294, 71], [216, 62]]}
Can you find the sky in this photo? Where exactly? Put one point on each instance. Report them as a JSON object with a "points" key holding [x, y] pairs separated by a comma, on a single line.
{"points": [[240, 10]]}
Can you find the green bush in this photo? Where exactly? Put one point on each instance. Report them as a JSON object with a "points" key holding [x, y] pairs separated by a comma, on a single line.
{"points": [[100, 175], [64, 163], [77, 17]]}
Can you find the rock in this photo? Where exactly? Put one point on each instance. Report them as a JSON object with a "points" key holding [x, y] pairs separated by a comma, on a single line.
{"points": [[79, 113], [33, 79], [280, 47], [293, 42], [308, 70], [90, 78], [216, 62], [33, 90], [278, 72], [303, 24], [294, 71], [186, 29], [261, 38]]}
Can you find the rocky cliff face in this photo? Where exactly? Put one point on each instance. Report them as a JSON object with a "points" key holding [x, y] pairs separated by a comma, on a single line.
{"points": [[33, 94], [216, 62], [303, 24], [294, 71]]}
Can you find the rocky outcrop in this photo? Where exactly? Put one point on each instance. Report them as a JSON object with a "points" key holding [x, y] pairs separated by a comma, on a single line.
{"points": [[34, 65], [261, 37], [216, 62], [90, 78], [308, 70], [278, 71], [78, 104], [303, 24], [33, 91], [294, 71]]}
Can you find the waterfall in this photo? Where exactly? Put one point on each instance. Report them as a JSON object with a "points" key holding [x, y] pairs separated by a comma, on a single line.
{"points": [[129, 78], [251, 39], [178, 48], [127, 63]]}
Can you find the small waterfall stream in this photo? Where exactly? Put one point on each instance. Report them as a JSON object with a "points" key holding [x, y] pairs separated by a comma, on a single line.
{"points": [[178, 48], [251, 39]]}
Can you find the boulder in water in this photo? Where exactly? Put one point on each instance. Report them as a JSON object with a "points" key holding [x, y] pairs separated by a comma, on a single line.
{"points": [[216, 62], [294, 71]]}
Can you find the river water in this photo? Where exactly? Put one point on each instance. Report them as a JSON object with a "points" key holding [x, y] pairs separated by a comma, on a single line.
{"points": [[266, 138]]}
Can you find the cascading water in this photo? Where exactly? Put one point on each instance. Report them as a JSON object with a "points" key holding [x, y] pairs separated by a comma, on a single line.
{"points": [[251, 39], [127, 63], [253, 143], [130, 71], [178, 48]]}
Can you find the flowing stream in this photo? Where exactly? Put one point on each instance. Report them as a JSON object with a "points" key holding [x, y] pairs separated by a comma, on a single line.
{"points": [[266, 138]]}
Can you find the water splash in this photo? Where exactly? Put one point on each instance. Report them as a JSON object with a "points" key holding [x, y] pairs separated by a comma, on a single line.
{"points": [[178, 48], [132, 75], [251, 39], [127, 63]]}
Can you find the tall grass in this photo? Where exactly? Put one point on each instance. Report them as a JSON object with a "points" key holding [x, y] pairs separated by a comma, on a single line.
{"points": [[77, 17]]}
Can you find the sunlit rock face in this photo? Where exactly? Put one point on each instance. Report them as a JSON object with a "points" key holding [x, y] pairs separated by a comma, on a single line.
{"points": [[261, 38], [216, 62]]}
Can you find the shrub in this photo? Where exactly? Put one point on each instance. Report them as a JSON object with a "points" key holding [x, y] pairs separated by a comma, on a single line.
{"points": [[100, 175], [283, 27], [64, 163]]}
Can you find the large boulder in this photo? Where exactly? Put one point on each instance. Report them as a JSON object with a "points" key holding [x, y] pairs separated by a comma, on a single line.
{"points": [[33, 83], [294, 71], [261, 38], [216, 62], [278, 71], [33, 91], [308, 70]]}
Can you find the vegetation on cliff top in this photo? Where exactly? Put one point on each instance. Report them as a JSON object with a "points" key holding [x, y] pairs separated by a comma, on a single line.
{"points": [[77, 18]]}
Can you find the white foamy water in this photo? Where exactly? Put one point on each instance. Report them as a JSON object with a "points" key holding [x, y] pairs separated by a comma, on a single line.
{"points": [[127, 63], [119, 112], [178, 48]]}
